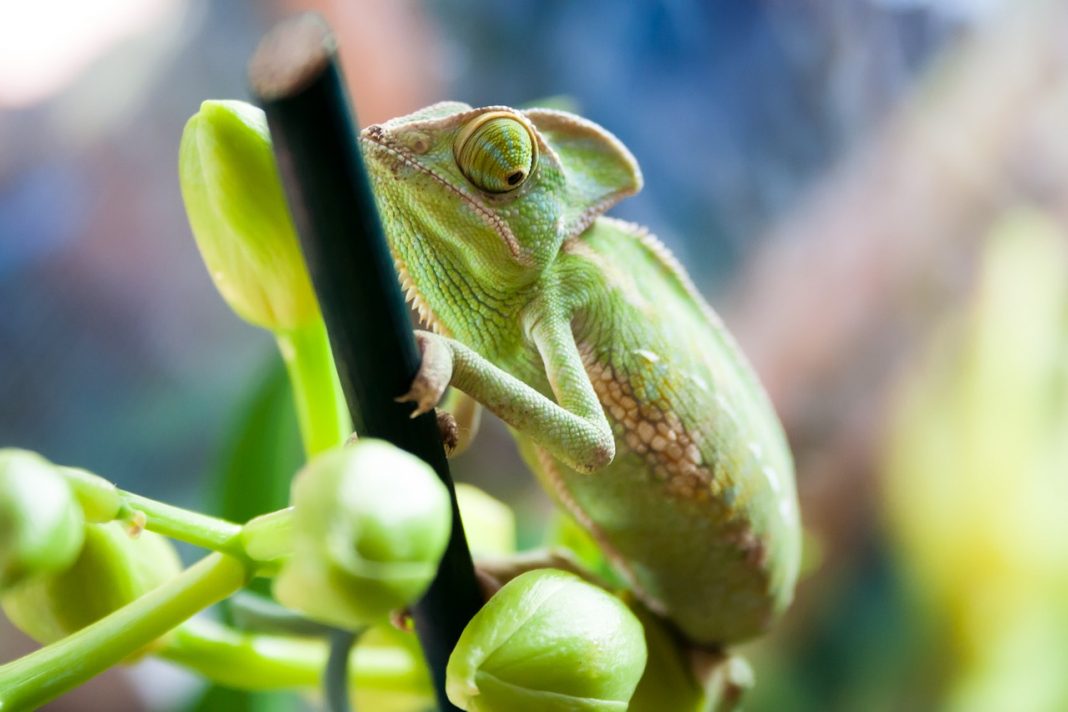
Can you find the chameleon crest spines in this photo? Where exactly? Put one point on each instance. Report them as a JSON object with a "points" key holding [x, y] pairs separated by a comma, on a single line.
{"points": [[629, 400]]}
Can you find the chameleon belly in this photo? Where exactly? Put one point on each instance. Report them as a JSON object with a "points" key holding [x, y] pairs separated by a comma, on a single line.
{"points": [[698, 510]]}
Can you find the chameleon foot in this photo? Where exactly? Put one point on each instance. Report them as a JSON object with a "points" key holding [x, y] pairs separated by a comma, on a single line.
{"points": [[450, 431], [447, 427], [434, 374], [725, 677]]}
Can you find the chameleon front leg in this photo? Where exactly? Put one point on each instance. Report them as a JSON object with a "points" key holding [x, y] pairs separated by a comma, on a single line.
{"points": [[574, 429]]}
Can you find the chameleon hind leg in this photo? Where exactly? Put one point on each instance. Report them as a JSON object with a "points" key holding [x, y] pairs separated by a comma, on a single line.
{"points": [[502, 569], [682, 676], [726, 678]]}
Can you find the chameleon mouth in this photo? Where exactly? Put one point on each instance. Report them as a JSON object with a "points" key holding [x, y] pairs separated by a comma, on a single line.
{"points": [[377, 150]]}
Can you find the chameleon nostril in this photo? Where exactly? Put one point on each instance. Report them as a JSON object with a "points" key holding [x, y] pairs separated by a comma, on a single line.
{"points": [[418, 143]]}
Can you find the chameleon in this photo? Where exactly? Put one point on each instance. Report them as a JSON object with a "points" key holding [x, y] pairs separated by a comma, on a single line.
{"points": [[629, 400]]}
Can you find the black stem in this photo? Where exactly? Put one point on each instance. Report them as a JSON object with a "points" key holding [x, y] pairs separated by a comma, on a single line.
{"points": [[296, 79]]}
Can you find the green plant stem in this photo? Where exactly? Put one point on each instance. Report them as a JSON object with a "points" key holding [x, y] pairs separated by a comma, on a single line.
{"points": [[264, 539], [30, 681], [256, 661], [324, 423], [198, 529], [321, 410], [336, 679], [253, 612], [268, 538]]}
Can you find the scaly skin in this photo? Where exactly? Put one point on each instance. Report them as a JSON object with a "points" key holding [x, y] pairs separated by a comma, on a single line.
{"points": [[628, 398]]}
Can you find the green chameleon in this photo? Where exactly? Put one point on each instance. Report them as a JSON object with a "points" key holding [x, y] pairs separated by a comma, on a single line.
{"points": [[627, 396]]}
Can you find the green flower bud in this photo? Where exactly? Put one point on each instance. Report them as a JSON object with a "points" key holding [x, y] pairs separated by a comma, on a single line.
{"points": [[548, 641], [100, 499], [565, 532], [238, 213], [370, 524], [112, 569], [414, 692], [489, 523], [40, 520]]}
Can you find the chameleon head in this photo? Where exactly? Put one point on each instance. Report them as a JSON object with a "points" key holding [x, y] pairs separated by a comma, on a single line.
{"points": [[490, 194]]}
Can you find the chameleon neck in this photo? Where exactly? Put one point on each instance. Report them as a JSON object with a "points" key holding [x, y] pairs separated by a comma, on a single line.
{"points": [[453, 301]]}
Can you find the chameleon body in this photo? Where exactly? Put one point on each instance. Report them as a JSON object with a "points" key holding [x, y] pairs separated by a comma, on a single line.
{"points": [[629, 400]]}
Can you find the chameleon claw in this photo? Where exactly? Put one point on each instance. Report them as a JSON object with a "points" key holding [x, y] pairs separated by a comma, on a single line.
{"points": [[424, 402]]}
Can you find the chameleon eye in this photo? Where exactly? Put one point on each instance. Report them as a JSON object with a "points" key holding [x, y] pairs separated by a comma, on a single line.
{"points": [[496, 152]]}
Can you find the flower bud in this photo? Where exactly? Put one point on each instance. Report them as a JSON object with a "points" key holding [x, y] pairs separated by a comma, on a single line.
{"points": [[100, 500], [564, 532], [238, 214], [112, 569], [40, 520], [548, 641], [489, 523], [370, 524]]}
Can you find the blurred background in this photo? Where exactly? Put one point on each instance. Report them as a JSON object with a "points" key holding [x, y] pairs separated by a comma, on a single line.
{"points": [[873, 193]]}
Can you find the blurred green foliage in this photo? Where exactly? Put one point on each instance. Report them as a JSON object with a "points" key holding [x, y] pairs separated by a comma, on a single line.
{"points": [[977, 479]]}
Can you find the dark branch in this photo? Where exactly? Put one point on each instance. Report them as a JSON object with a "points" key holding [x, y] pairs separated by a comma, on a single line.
{"points": [[297, 80]]}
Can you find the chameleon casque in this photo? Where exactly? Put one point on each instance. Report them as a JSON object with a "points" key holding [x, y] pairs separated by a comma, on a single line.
{"points": [[628, 398]]}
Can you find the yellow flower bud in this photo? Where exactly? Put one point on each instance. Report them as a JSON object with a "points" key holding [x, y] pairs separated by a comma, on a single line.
{"points": [[489, 523], [976, 480], [236, 207]]}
